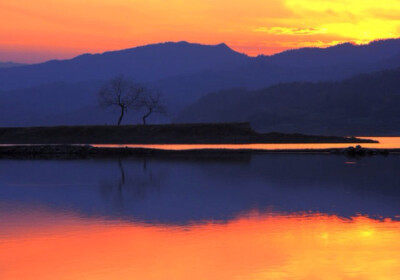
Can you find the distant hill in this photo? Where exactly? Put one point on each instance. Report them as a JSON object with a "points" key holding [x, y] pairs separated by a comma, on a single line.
{"points": [[10, 64], [363, 105], [346, 53], [143, 64], [64, 91]]}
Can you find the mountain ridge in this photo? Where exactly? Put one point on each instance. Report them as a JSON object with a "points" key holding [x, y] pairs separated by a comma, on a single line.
{"points": [[159, 61], [144, 64]]}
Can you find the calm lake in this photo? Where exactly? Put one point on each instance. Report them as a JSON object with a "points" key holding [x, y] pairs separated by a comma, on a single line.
{"points": [[243, 217]]}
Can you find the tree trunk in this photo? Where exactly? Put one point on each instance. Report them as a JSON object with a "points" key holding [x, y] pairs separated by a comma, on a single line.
{"points": [[121, 115], [145, 116]]}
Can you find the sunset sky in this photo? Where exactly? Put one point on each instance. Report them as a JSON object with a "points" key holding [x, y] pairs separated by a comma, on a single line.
{"points": [[33, 31]]}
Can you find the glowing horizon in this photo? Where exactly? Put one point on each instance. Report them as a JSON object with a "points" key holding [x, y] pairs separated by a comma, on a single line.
{"points": [[34, 31]]}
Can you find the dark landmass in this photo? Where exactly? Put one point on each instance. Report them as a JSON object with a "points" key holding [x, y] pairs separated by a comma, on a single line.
{"points": [[224, 133], [363, 105]]}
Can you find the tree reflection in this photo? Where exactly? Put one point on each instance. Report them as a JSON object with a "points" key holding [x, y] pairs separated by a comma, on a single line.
{"points": [[132, 183]]}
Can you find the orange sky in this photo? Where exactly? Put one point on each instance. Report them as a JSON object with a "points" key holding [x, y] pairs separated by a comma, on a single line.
{"points": [[37, 30]]}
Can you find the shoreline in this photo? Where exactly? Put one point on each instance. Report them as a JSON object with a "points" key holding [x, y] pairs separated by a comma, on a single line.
{"points": [[87, 151], [75, 142]]}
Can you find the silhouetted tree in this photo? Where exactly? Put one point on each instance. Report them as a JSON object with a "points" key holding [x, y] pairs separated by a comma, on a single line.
{"points": [[152, 104], [122, 93]]}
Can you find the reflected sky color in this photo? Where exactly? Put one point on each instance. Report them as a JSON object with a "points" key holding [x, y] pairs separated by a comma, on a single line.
{"points": [[273, 216], [384, 143], [252, 246], [32, 31]]}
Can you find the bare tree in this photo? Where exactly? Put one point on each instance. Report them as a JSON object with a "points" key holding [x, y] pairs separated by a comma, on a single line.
{"points": [[122, 93], [152, 104]]}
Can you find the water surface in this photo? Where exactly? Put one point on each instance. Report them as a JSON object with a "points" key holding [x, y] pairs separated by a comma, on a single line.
{"points": [[242, 217]]}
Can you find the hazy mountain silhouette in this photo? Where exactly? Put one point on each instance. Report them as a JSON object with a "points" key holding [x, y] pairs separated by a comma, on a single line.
{"points": [[364, 105], [196, 62], [10, 64], [144, 64], [346, 53], [64, 92]]}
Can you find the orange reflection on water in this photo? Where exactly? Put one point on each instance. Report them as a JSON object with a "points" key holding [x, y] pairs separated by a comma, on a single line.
{"points": [[384, 143], [250, 247]]}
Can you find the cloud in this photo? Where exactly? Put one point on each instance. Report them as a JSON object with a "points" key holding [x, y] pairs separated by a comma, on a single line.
{"points": [[357, 20], [323, 23], [341, 7], [305, 44], [290, 30]]}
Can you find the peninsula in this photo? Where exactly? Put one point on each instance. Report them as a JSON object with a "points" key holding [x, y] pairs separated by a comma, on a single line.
{"points": [[207, 133]]}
